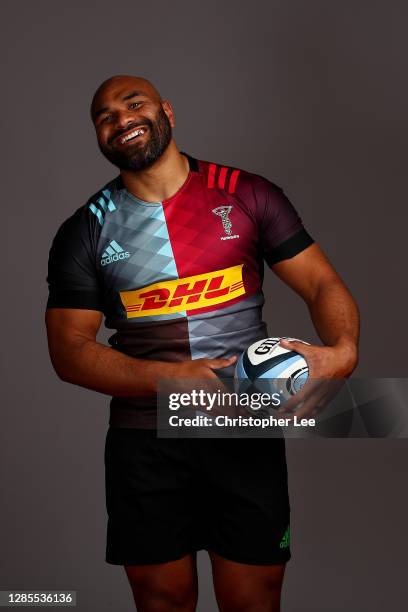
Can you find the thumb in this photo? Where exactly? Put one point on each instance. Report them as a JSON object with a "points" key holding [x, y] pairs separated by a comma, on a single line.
{"points": [[295, 345], [214, 364]]}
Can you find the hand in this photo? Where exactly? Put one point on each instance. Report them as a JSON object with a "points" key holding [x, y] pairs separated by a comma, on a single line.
{"points": [[328, 368], [199, 375], [201, 368]]}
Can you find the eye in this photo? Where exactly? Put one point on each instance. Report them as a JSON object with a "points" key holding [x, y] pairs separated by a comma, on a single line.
{"points": [[106, 118], [133, 105]]}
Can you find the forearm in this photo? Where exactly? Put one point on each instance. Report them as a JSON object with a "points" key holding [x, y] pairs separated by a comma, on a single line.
{"points": [[92, 365], [335, 316]]}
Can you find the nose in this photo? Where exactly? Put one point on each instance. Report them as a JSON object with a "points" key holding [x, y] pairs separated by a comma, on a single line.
{"points": [[123, 119]]}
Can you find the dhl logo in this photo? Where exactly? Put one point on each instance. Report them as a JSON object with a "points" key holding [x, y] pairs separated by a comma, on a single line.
{"points": [[190, 293]]}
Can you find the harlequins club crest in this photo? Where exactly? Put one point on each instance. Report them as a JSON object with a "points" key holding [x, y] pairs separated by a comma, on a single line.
{"points": [[223, 212]]}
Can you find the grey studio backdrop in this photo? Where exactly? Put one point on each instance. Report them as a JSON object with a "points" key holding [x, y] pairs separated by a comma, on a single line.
{"points": [[311, 94]]}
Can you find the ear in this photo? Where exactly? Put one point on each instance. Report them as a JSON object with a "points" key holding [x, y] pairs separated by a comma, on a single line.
{"points": [[168, 109]]}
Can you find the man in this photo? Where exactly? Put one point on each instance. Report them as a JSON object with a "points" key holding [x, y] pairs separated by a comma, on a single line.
{"points": [[171, 252]]}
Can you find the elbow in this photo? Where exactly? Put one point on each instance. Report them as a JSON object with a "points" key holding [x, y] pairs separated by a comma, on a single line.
{"points": [[352, 360], [65, 356], [60, 371], [64, 376], [62, 368]]}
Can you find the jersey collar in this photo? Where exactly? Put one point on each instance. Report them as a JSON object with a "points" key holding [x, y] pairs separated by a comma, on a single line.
{"points": [[192, 162]]}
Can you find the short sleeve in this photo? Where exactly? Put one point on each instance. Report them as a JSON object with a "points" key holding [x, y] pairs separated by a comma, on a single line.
{"points": [[72, 278], [282, 234]]}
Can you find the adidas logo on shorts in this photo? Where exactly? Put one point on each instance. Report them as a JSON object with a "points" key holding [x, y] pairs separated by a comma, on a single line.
{"points": [[285, 541], [113, 252]]}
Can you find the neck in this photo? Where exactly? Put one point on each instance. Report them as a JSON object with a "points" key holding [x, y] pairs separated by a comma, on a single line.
{"points": [[161, 180]]}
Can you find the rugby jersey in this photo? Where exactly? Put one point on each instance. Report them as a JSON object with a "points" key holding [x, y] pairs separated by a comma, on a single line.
{"points": [[178, 279]]}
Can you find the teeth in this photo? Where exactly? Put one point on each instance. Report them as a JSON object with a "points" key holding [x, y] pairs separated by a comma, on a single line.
{"points": [[132, 135]]}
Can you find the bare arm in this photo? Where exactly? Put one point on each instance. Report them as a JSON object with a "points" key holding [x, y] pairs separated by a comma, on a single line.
{"points": [[332, 308], [79, 359]]}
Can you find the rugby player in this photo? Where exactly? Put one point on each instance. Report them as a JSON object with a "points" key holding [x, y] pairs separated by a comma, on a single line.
{"points": [[171, 253]]}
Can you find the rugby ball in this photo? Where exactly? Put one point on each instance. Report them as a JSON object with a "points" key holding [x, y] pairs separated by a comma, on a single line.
{"points": [[267, 366]]}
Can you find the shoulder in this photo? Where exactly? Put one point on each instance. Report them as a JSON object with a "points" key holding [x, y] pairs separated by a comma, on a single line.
{"points": [[89, 218], [238, 181], [103, 201]]}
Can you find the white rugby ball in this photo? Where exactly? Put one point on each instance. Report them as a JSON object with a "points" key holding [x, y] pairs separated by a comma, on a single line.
{"points": [[265, 361]]}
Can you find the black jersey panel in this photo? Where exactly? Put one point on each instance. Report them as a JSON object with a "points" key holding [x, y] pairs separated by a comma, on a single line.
{"points": [[86, 300], [72, 275], [291, 247]]}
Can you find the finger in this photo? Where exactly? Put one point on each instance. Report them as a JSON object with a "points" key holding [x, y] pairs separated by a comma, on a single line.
{"points": [[222, 400], [311, 407], [293, 403], [295, 345], [314, 396], [332, 388], [216, 364]]}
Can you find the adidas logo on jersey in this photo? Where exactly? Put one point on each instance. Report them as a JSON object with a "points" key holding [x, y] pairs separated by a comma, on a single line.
{"points": [[113, 252]]}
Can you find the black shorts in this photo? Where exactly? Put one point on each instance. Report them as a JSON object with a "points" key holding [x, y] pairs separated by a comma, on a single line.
{"points": [[167, 498]]}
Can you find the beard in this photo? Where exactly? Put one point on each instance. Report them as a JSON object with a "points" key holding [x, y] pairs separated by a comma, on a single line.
{"points": [[139, 156]]}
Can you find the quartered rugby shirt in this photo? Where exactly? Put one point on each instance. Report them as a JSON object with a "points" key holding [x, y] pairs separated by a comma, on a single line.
{"points": [[178, 279]]}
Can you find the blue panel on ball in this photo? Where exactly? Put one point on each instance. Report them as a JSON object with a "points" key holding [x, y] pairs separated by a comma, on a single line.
{"points": [[276, 371]]}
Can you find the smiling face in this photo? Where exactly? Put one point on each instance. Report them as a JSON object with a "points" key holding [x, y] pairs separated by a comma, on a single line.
{"points": [[133, 125]]}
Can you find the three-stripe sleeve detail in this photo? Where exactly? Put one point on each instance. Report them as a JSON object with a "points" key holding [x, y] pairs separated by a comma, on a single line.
{"points": [[222, 177]]}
